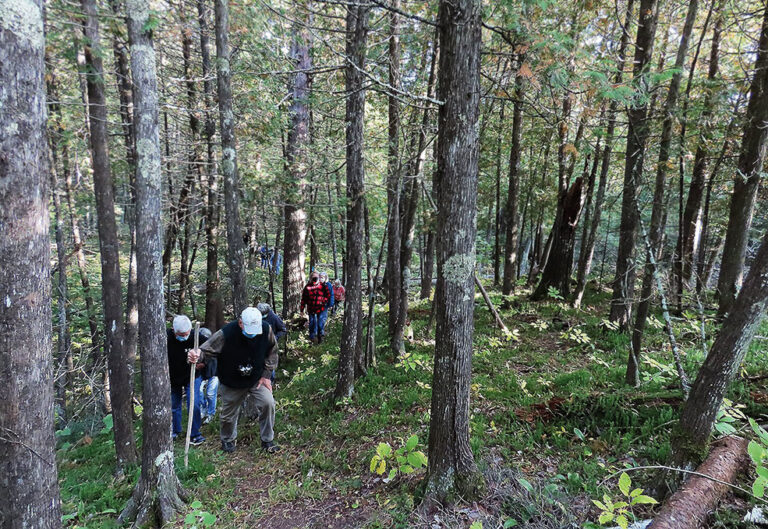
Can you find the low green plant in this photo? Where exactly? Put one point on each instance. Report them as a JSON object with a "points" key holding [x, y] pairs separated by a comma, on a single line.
{"points": [[405, 460], [758, 452], [198, 518], [728, 415], [620, 512]]}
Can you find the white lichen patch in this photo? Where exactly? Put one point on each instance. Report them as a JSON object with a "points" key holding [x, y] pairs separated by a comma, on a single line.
{"points": [[458, 267], [138, 10], [148, 158], [24, 19], [164, 458]]}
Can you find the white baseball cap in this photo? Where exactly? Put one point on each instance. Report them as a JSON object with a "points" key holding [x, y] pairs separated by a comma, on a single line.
{"points": [[251, 318], [181, 324]]}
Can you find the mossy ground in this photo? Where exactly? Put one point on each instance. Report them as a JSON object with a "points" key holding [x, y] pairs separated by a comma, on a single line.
{"points": [[549, 406]]}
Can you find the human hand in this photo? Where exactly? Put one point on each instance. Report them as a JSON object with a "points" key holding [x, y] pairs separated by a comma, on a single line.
{"points": [[193, 355], [265, 382]]}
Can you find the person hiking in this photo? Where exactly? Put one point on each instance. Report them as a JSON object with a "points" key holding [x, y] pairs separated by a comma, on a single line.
{"points": [[180, 342], [278, 327], [314, 297], [246, 350], [328, 304], [339, 295], [210, 386]]}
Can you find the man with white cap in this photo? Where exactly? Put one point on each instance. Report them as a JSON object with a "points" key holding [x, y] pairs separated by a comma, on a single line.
{"points": [[180, 342], [246, 351]]}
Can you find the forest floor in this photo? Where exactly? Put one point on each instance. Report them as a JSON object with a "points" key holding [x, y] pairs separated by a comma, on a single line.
{"points": [[552, 420]]}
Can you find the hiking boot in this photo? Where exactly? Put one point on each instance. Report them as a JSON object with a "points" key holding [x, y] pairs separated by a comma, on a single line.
{"points": [[228, 446], [270, 447], [207, 419], [196, 441], [320, 339], [313, 340]]}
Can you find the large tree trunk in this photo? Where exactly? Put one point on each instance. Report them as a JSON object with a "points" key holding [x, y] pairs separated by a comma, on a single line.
{"points": [[747, 178], [158, 495], [510, 210], [722, 363], [452, 472], [394, 271], [351, 349], [295, 188], [120, 372], [637, 135], [229, 160], [28, 476], [657, 212], [588, 245], [214, 306]]}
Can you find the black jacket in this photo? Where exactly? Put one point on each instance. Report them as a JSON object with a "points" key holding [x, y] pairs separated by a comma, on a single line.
{"points": [[178, 368], [278, 327]]}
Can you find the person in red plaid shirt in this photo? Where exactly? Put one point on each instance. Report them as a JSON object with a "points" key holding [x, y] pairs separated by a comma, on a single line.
{"points": [[314, 297]]}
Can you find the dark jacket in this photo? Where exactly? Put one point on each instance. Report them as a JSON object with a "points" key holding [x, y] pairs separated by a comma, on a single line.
{"points": [[330, 299], [178, 368], [233, 351], [278, 327]]}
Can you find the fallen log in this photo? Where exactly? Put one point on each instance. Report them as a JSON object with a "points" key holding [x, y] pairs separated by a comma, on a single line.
{"points": [[691, 505]]}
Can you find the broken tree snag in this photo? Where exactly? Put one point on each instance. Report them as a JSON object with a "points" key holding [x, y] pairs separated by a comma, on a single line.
{"points": [[488, 302], [692, 504]]}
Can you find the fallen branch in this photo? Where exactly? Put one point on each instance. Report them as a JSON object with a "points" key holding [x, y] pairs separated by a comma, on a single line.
{"points": [[690, 506], [488, 302]]}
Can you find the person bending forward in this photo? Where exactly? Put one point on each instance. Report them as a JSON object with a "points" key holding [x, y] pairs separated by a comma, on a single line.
{"points": [[246, 351]]}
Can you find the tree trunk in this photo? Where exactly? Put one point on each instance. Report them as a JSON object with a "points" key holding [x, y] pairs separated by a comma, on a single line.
{"points": [[497, 219], [27, 446], [452, 472], [585, 250], [589, 245], [510, 210], [120, 372], [657, 212], [637, 135], [214, 306], [158, 495], [429, 266], [351, 334], [229, 160], [747, 179], [295, 187]]}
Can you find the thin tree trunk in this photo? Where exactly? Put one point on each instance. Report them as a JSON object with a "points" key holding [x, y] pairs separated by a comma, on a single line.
{"points": [[452, 472], [158, 495], [229, 160], [637, 135], [27, 444], [585, 250], [351, 334], [510, 209], [120, 373], [497, 219], [747, 179], [333, 230]]}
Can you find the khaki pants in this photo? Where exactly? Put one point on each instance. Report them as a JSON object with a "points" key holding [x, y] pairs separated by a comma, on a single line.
{"points": [[232, 398]]}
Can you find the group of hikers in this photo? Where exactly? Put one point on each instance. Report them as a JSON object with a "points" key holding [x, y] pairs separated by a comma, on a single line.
{"points": [[238, 360], [270, 258]]}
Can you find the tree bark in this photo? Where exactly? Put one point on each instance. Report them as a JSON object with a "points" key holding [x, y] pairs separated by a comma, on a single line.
{"points": [[351, 349], [28, 476], [747, 179], [295, 188], [452, 472], [657, 212], [158, 495], [510, 210], [637, 135], [497, 218], [229, 160], [723, 361], [120, 372]]}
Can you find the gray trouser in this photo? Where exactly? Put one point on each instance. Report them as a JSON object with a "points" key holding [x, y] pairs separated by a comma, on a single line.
{"points": [[232, 398]]}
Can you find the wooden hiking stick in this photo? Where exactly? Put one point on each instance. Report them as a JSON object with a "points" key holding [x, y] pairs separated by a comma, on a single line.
{"points": [[191, 393]]}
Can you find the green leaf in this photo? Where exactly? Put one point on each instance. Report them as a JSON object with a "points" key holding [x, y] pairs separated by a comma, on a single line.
{"points": [[758, 487], [605, 518], [196, 504], [620, 505], [762, 471], [406, 469], [622, 521], [392, 473], [644, 499], [208, 519], [525, 484], [600, 505], [755, 451], [401, 460], [374, 461], [509, 522], [579, 434], [415, 460], [190, 519], [411, 443], [476, 525], [381, 467], [636, 492], [383, 450], [624, 483]]}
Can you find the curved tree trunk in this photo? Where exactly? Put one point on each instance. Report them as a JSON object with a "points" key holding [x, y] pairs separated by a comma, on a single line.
{"points": [[120, 372], [158, 495], [452, 472], [27, 446]]}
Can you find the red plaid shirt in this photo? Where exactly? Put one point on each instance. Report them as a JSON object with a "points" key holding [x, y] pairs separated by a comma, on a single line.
{"points": [[314, 297]]}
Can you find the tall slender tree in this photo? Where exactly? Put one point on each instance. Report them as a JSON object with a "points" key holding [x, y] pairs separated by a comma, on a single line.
{"points": [[510, 210], [28, 476], [120, 372], [452, 471], [351, 349], [235, 257]]}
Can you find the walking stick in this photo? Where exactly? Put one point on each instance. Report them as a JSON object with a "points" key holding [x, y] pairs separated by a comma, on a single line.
{"points": [[191, 392]]}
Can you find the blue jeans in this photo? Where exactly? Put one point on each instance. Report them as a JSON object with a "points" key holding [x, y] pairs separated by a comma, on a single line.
{"points": [[323, 318], [316, 325], [176, 408], [209, 397]]}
